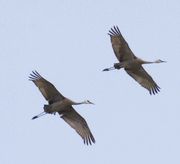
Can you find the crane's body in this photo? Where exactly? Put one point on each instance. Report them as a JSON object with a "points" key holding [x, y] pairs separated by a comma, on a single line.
{"points": [[62, 105]]}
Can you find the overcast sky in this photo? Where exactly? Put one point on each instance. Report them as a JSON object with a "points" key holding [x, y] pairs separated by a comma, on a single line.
{"points": [[67, 43]]}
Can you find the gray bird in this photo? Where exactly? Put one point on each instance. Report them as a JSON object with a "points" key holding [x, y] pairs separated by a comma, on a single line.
{"points": [[58, 103], [131, 64]]}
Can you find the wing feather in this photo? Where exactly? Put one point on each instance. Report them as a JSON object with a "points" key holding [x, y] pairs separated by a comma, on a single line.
{"points": [[120, 46], [48, 90], [78, 123], [144, 79]]}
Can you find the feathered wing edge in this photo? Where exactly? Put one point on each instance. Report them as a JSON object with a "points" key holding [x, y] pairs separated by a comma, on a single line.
{"points": [[115, 31], [78, 123], [34, 76], [48, 90], [120, 46], [144, 79]]}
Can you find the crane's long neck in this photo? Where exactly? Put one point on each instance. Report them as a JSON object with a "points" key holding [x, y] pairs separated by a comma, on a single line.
{"points": [[156, 61], [148, 62], [71, 102], [151, 62]]}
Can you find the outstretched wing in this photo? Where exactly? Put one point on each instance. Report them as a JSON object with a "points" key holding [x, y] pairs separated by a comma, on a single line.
{"points": [[48, 90], [120, 46], [78, 123], [144, 79]]}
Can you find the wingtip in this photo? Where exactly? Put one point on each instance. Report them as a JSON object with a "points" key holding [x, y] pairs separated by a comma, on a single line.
{"points": [[89, 140], [34, 76], [114, 31], [155, 90]]}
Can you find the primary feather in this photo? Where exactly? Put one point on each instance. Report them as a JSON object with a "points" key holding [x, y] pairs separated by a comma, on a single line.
{"points": [[48, 90]]}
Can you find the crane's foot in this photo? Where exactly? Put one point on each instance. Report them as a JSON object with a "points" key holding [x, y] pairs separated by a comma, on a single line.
{"points": [[108, 69], [34, 117]]}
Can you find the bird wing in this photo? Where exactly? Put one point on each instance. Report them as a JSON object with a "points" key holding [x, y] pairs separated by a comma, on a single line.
{"points": [[47, 89], [78, 123], [120, 46], [144, 79]]}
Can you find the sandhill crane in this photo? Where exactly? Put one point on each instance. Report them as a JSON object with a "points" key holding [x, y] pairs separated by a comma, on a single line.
{"points": [[58, 103], [131, 64]]}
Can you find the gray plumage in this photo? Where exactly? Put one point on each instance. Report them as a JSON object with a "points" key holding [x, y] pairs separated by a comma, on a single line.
{"points": [[131, 64], [62, 105]]}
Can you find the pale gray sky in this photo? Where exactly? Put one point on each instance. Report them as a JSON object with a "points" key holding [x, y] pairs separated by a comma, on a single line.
{"points": [[67, 43]]}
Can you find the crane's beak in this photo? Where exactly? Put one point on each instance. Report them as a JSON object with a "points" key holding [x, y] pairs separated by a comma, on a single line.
{"points": [[162, 61], [91, 103]]}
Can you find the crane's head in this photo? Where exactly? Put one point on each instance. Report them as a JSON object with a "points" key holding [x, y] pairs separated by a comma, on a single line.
{"points": [[88, 102], [160, 61]]}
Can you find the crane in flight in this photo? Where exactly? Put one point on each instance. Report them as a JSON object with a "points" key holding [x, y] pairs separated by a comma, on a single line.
{"points": [[131, 64], [58, 103]]}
